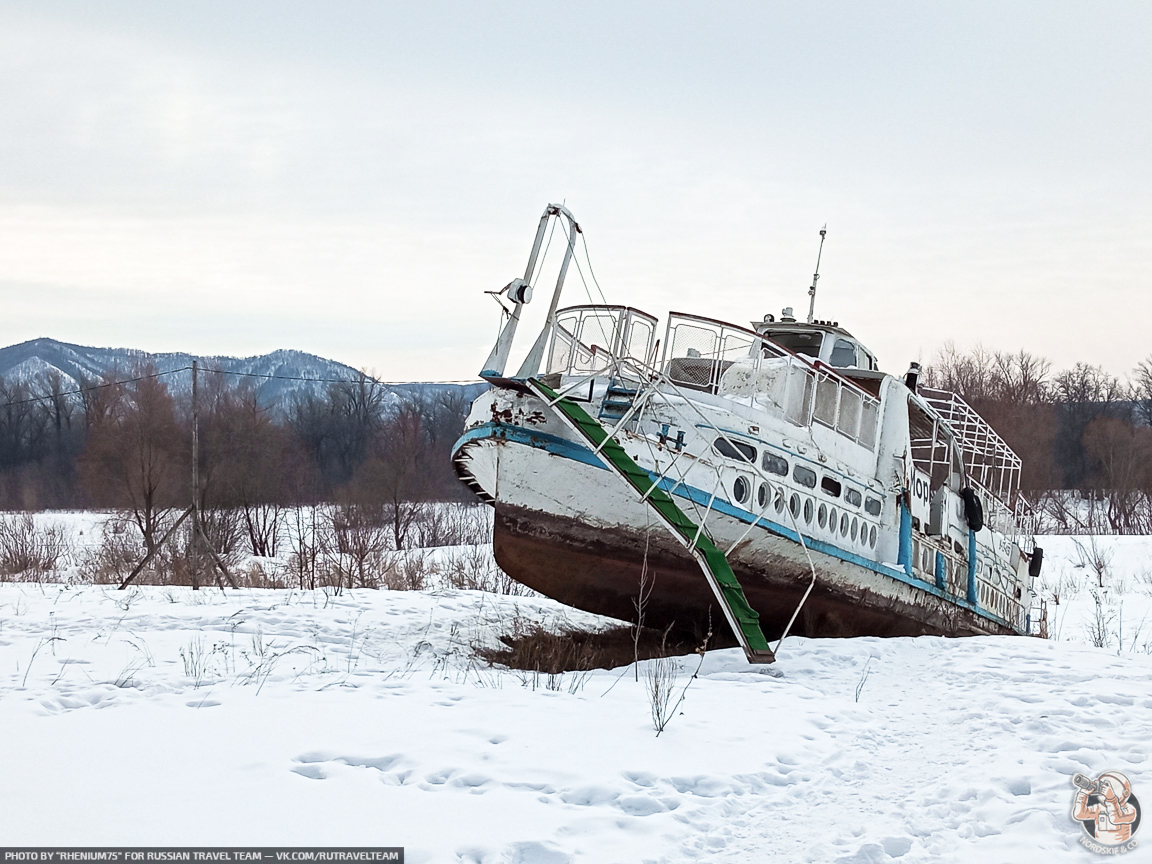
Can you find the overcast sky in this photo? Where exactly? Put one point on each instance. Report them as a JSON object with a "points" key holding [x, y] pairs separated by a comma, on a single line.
{"points": [[348, 178]]}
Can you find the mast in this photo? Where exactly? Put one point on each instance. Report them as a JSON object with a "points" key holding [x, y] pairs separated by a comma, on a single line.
{"points": [[816, 276]]}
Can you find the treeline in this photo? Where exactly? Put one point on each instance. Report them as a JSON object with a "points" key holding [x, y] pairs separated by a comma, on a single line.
{"points": [[1084, 435], [127, 445]]}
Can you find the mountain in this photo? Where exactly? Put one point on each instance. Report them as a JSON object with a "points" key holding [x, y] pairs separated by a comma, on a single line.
{"points": [[279, 377]]}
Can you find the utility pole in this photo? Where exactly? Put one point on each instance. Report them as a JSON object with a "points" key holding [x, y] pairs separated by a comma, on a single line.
{"points": [[193, 511], [194, 546]]}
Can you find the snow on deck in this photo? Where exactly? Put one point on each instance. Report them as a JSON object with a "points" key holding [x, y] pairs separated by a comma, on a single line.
{"points": [[162, 716]]}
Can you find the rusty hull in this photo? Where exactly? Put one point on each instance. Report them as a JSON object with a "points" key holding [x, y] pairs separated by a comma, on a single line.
{"points": [[598, 570]]}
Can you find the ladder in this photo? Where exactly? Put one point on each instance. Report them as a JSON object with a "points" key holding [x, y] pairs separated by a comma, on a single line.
{"points": [[742, 618]]}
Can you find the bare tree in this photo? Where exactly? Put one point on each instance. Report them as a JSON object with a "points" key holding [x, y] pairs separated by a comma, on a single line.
{"points": [[1142, 391], [1083, 393], [136, 456]]}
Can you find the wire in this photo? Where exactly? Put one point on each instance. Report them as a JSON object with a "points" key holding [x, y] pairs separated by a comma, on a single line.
{"points": [[544, 257], [591, 272], [94, 387], [52, 396], [364, 378]]}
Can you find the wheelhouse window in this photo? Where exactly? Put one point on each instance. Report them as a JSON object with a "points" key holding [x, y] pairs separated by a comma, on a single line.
{"points": [[799, 342], [843, 354]]}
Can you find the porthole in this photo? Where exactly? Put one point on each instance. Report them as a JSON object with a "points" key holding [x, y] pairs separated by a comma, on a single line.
{"points": [[794, 505], [808, 510], [872, 536], [778, 503], [854, 529], [740, 490], [822, 516], [832, 517], [762, 495], [843, 524]]}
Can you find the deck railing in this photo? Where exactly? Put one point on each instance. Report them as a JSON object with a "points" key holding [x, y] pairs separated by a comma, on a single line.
{"points": [[586, 339], [716, 357]]}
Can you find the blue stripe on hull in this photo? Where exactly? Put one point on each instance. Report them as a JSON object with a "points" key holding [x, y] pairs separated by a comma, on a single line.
{"points": [[569, 450]]}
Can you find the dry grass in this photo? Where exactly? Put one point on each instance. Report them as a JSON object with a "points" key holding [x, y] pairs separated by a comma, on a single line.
{"points": [[533, 648]]}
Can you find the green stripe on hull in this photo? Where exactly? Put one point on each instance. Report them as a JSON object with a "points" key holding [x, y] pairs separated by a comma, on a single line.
{"points": [[712, 561]]}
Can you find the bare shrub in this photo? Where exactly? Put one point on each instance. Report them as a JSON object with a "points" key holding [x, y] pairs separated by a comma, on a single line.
{"points": [[438, 525], [307, 539], [407, 571], [1099, 628], [30, 553], [360, 540], [257, 575], [264, 523], [473, 568], [225, 530], [1094, 558], [112, 559], [660, 682]]}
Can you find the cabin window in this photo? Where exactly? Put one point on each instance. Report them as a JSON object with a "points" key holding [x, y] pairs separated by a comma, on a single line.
{"points": [[740, 490], [872, 505], [852, 496], [843, 354], [849, 420], [735, 449], [774, 464], [804, 476], [868, 415], [829, 486], [827, 396], [798, 403]]}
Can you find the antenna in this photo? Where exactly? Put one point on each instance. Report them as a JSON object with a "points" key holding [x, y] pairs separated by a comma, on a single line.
{"points": [[816, 276]]}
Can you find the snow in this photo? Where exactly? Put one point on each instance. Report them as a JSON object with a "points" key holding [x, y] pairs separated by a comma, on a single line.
{"points": [[162, 716]]}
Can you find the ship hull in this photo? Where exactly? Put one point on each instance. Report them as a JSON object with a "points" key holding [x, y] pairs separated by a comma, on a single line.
{"points": [[564, 526]]}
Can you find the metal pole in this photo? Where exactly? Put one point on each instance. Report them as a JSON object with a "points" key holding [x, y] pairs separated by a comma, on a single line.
{"points": [[195, 577], [816, 277]]}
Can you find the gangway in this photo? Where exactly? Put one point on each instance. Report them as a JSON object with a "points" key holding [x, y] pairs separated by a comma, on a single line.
{"points": [[742, 618]]}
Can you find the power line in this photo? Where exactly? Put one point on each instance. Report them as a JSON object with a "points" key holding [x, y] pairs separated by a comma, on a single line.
{"points": [[366, 379], [89, 389]]}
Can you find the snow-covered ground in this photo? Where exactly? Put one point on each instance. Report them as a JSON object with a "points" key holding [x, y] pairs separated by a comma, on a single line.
{"points": [[160, 716]]}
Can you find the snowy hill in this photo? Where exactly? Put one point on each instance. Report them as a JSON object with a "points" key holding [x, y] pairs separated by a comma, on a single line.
{"points": [[364, 718], [77, 364]]}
